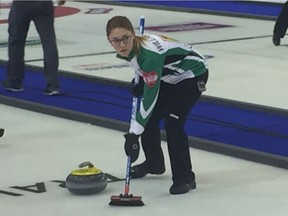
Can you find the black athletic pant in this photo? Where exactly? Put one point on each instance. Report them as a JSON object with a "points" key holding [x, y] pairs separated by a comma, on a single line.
{"points": [[20, 16], [281, 24], [173, 106]]}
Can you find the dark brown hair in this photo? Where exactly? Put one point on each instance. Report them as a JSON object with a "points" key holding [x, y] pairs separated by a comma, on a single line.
{"points": [[119, 22], [123, 22]]}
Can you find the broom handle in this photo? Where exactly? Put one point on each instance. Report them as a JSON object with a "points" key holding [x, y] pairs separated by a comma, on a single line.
{"points": [[127, 179], [133, 113], [137, 76]]}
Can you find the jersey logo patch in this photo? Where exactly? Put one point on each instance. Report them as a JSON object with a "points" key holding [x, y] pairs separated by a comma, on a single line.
{"points": [[150, 78]]}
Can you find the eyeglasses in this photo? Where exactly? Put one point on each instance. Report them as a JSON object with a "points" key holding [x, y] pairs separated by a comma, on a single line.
{"points": [[117, 41]]}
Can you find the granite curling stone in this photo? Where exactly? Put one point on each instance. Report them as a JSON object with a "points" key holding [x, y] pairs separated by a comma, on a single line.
{"points": [[86, 180]]}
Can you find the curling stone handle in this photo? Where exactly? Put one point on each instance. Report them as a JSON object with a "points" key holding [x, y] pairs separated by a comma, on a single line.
{"points": [[86, 163]]}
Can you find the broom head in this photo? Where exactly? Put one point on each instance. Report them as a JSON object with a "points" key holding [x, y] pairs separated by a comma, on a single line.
{"points": [[126, 200]]}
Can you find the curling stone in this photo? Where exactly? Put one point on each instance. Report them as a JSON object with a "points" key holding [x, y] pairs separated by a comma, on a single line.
{"points": [[86, 180]]}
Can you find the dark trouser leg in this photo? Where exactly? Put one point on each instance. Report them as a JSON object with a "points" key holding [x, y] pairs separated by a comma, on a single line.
{"points": [[281, 24], [18, 28], [179, 152], [151, 144], [151, 138], [44, 22], [184, 98]]}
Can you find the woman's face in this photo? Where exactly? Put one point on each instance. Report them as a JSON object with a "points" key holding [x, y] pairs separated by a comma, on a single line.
{"points": [[121, 40]]}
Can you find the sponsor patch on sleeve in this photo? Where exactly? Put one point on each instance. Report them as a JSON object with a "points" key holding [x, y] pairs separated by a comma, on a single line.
{"points": [[150, 78]]}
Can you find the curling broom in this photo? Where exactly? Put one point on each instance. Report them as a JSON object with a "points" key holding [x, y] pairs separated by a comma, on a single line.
{"points": [[127, 199]]}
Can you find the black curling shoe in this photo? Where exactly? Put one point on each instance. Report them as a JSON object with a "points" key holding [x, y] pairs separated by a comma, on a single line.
{"points": [[181, 187], [276, 40], [141, 170]]}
